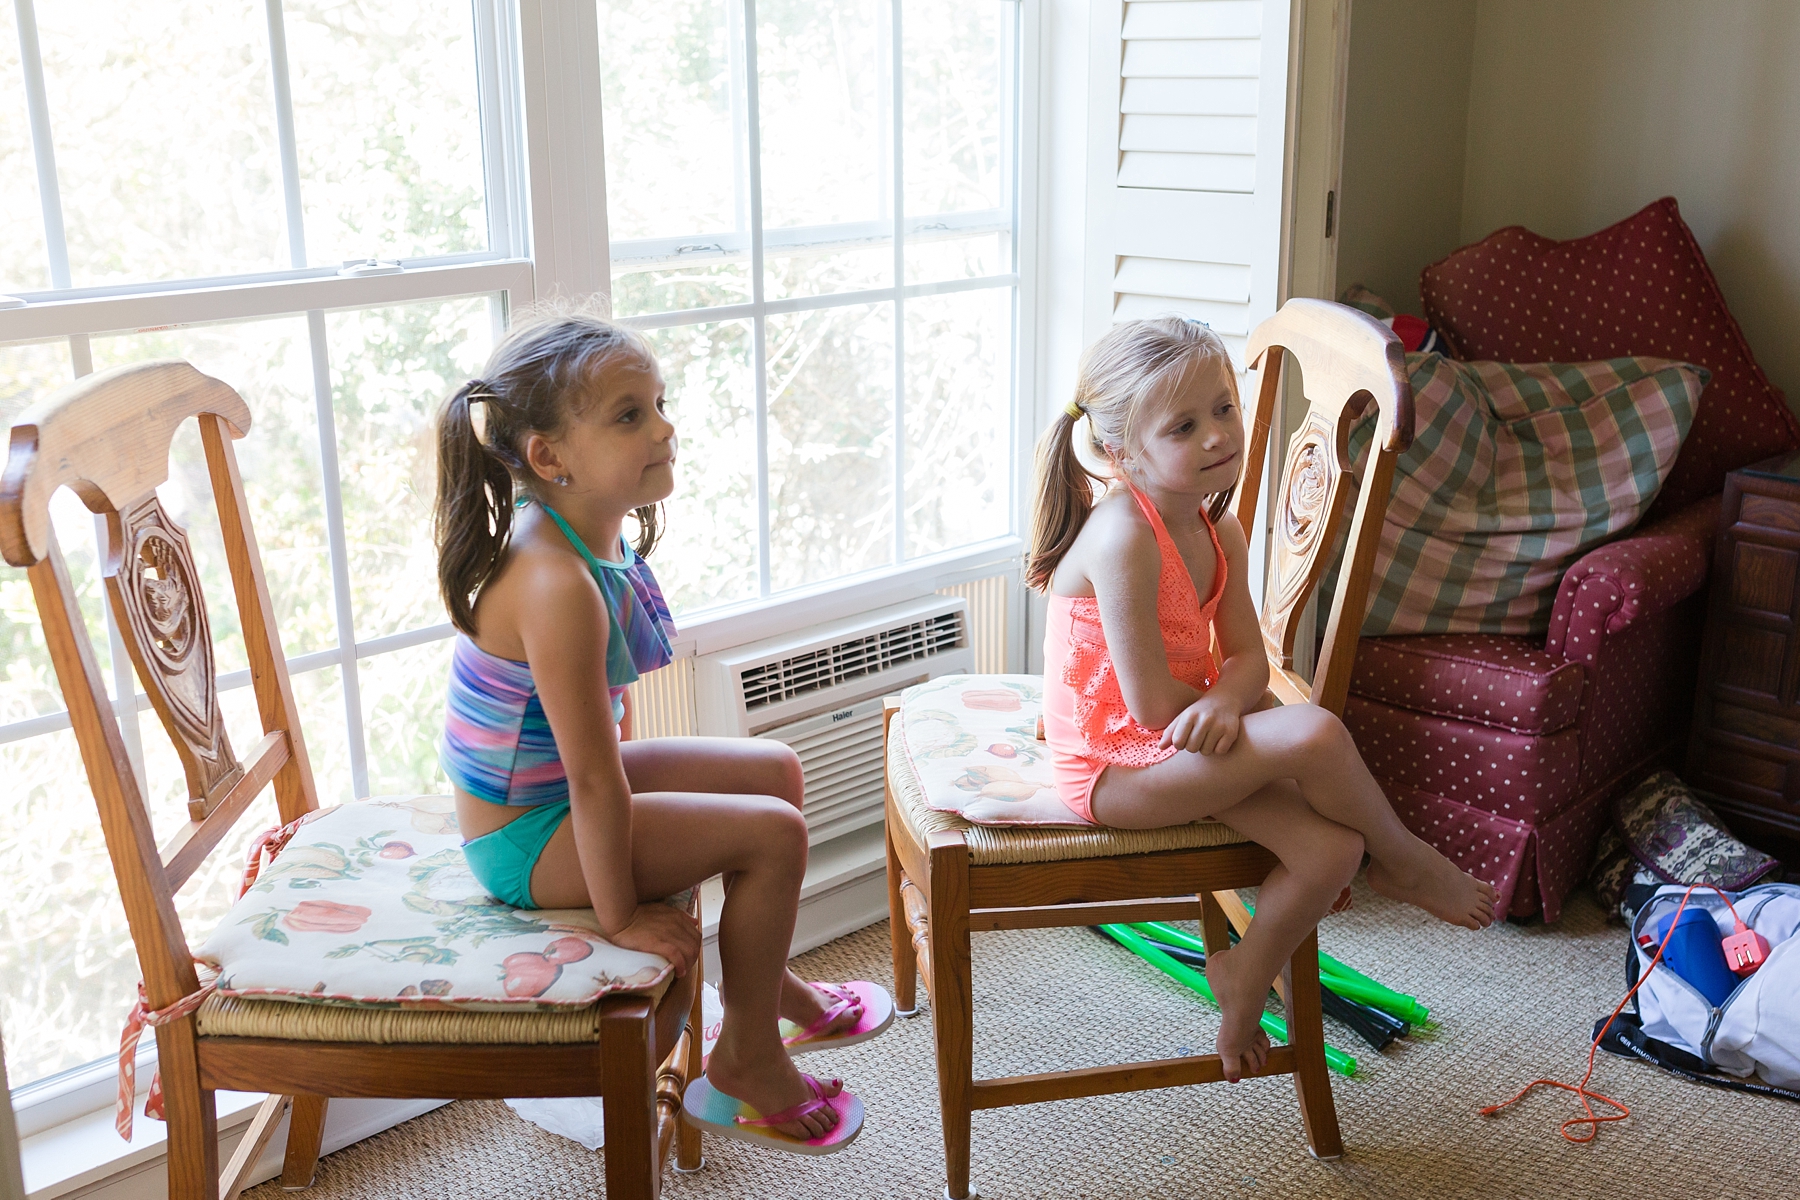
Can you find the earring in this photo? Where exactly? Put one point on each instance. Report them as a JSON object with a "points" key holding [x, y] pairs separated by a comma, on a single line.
{"points": [[561, 481]]}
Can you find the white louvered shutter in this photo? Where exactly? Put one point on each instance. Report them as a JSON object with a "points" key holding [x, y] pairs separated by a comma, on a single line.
{"points": [[1187, 139]]}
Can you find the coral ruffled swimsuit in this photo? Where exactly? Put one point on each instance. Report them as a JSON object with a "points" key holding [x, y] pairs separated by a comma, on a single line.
{"points": [[1086, 724]]}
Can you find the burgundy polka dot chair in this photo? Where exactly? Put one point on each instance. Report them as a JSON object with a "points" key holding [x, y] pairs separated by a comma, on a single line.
{"points": [[1506, 752]]}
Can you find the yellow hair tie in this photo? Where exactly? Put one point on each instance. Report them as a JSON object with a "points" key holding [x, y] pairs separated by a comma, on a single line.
{"points": [[1073, 409]]}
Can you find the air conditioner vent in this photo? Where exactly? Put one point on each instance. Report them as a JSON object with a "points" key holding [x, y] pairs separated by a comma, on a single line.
{"points": [[828, 666]]}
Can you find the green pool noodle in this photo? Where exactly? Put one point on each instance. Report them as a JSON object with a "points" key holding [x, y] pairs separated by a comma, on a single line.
{"points": [[1194, 981], [1406, 1007]]}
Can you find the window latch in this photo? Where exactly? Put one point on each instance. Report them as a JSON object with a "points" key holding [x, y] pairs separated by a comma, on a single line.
{"points": [[356, 267]]}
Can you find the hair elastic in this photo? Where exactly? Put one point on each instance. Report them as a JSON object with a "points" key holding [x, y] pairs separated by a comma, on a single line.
{"points": [[1074, 410]]}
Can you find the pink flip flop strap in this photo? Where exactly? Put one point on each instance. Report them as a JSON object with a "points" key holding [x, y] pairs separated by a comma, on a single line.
{"points": [[805, 1108], [846, 1000]]}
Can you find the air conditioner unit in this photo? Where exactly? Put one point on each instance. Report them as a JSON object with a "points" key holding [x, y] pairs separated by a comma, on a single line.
{"points": [[820, 691]]}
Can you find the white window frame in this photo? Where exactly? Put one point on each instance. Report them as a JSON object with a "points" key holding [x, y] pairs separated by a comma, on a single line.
{"points": [[538, 69]]}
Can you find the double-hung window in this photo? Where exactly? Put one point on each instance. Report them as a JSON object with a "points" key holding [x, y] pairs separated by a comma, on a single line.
{"points": [[812, 209], [312, 200]]}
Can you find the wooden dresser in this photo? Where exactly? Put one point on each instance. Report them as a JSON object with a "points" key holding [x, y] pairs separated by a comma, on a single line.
{"points": [[1745, 745]]}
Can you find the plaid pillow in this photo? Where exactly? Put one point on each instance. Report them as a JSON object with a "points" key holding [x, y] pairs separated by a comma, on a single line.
{"points": [[1515, 471]]}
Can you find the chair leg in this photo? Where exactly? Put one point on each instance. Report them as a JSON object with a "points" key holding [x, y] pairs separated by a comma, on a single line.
{"points": [[952, 1002], [1215, 926], [306, 1132], [192, 1118], [689, 1153], [906, 972], [628, 1086], [1312, 1081], [251, 1145]]}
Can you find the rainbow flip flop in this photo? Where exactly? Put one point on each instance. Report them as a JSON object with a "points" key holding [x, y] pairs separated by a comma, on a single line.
{"points": [[876, 1015], [708, 1109]]}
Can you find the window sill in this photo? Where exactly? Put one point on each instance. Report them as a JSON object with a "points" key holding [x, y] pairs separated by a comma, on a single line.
{"points": [[84, 1156]]}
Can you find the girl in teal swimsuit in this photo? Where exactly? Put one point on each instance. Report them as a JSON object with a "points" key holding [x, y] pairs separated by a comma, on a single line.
{"points": [[540, 461]]}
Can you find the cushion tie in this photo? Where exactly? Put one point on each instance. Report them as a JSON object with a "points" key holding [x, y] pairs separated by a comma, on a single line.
{"points": [[263, 850], [141, 1015]]}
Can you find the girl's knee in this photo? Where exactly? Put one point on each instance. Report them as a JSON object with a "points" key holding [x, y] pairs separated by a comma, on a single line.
{"points": [[778, 770], [1320, 732], [780, 828]]}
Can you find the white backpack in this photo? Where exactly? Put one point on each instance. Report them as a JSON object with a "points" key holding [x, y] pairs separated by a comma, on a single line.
{"points": [[1757, 1029]]}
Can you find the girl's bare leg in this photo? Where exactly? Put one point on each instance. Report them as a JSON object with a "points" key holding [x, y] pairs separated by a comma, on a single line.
{"points": [[1310, 746], [1318, 859], [743, 766], [680, 839]]}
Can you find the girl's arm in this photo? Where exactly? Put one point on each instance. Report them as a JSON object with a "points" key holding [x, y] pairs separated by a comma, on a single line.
{"points": [[1210, 724], [1124, 568], [565, 643], [1244, 670]]}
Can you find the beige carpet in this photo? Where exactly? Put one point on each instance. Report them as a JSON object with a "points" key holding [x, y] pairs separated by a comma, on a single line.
{"points": [[1512, 1004]]}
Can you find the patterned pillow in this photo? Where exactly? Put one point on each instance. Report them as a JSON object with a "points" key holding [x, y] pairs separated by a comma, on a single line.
{"points": [[973, 741], [1641, 286], [373, 903], [1514, 472]]}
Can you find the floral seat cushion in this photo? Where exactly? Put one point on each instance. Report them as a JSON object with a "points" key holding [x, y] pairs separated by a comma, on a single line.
{"points": [[372, 903], [973, 742]]}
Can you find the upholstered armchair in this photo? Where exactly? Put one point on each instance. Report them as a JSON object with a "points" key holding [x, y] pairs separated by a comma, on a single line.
{"points": [[1506, 752]]}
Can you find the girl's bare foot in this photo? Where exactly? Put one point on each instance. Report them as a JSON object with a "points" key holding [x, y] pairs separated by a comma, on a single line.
{"points": [[770, 1083], [1437, 885], [802, 1003], [1243, 1046]]}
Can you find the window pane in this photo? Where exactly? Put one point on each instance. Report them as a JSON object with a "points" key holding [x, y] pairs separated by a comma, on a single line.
{"points": [[824, 73], [672, 151], [933, 255], [163, 121], [953, 132], [23, 266], [403, 718], [831, 443], [390, 371], [956, 143], [270, 364], [708, 277], [388, 127], [958, 409], [67, 969], [707, 555]]}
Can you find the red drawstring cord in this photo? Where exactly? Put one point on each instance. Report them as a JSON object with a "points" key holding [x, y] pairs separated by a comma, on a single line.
{"points": [[263, 850], [1593, 1120]]}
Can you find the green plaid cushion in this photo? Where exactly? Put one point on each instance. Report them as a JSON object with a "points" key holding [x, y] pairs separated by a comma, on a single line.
{"points": [[1515, 471]]}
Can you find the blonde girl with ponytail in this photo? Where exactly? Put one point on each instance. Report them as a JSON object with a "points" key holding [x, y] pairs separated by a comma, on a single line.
{"points": [[1146, 572], [540, 463]]}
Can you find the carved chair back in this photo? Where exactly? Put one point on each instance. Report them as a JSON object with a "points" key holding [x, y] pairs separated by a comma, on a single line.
{"points": [[1348, 360], [107, 437]]}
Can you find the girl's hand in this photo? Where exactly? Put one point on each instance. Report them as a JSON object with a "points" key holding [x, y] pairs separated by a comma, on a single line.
{"points": [[1207, 726], [662, 930]]}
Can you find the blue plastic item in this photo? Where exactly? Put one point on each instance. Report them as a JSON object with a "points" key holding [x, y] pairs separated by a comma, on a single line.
{"points": [[1694, 952]]}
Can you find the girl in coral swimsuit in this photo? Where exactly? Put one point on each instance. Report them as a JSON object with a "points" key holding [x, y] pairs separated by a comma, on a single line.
{"points": [[1145, 727]]}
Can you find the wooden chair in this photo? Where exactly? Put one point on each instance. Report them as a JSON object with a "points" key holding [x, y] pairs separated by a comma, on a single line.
{"points": [[107, 437], [948, 878]]}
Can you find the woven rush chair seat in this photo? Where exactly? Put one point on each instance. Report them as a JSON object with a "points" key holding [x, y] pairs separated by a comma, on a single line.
{"points": [[233, 1016], [992, 844]]}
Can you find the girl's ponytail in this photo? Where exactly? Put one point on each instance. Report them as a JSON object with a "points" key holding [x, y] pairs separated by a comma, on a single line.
{"points": [[473, 516], [1064, 491]]}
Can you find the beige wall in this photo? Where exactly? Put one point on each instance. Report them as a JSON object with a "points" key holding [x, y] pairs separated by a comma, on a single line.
{"points": [[1576, 115], [1405, 125], [1580, 114]]}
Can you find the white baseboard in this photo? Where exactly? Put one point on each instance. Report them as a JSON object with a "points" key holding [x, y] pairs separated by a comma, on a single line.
{"points": [[83, 1159]]}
